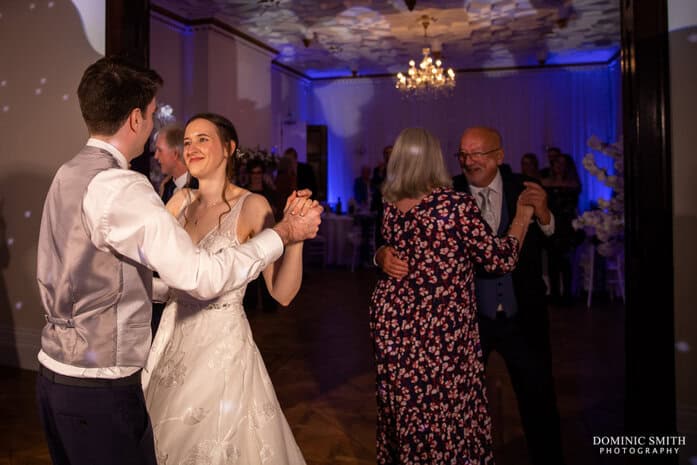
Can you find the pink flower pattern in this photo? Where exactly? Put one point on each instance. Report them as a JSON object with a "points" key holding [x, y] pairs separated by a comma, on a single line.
{"points": [[432, 405]]}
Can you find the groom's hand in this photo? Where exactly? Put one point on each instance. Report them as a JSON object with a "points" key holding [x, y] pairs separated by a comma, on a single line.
{"points": [[301, 218]]}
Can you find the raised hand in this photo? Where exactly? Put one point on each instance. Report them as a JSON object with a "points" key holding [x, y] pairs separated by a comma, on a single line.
{"points": [[535, 196], [301, 218]]}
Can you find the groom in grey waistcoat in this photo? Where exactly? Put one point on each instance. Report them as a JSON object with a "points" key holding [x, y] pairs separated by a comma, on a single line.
{"points": [[103, 231]]}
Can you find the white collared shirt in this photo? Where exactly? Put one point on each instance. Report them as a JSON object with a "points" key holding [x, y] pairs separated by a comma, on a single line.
{"points": [[180, 182], [496, 201], [124, 215]]}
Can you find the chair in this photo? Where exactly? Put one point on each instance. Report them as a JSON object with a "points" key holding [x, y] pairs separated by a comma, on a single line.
{"points": [[355, 238], [585, 270], [361, 237], [614, 277]]}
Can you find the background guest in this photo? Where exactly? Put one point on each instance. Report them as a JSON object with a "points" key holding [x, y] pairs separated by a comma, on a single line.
{"points": [[563, 188], [304, 174], [169, 147], [286, 180], [169, 150], [257, 294], [552, 154], [362, 188], [530, 166], [379, 174]]}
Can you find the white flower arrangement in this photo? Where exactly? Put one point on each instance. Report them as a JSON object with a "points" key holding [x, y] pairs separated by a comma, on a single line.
{"points": [[164, 115], [269, 159], [607, 222]]}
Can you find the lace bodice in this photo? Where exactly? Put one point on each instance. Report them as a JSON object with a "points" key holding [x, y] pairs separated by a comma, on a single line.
{"points": [[220, 237], [209, 396]]}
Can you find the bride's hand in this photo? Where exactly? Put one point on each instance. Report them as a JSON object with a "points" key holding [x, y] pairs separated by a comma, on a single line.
{"points": [[298, 202]]}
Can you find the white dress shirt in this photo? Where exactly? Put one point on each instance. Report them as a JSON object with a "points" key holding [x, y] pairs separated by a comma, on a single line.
{"points": [[181, 181], [496, 201], [125, 216]]}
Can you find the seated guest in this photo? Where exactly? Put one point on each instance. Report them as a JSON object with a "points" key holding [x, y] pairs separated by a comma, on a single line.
{"points": [[529, 166], [362, 189], [169, 147]]}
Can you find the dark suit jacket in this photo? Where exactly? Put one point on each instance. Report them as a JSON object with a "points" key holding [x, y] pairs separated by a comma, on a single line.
{"points": [[361, 191], [306, 178], [170, 186], [529, 286]]}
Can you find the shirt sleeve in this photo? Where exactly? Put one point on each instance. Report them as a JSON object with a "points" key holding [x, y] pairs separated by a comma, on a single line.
{"points": [[547, 229], [124, 215]]}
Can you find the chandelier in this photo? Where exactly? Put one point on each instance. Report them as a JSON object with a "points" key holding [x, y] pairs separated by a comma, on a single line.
{"points": [[429, 77]]}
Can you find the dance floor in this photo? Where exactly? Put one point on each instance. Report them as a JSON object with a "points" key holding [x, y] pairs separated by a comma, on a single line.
{"points": [[319, 355]]}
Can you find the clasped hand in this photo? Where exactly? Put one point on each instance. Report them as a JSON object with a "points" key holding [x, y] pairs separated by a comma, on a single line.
{"points": [[301, 217], [533, 202]]}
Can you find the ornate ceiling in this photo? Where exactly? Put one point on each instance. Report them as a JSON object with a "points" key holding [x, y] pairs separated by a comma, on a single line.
{"points": [[329, 38]]}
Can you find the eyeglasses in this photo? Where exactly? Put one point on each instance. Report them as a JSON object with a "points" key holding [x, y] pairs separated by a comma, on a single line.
{"points": [[476, 155]]}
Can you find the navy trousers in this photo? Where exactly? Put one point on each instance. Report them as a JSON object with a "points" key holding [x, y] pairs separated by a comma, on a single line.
{"points": [[523, 343], [95, 425]]}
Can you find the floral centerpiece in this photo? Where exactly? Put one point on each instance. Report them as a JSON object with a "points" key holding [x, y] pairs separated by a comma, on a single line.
{"points": [[606, 223], [263, 156]]}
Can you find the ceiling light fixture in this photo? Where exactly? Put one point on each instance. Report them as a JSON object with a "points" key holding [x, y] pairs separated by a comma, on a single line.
{"points": [[429, 77]]}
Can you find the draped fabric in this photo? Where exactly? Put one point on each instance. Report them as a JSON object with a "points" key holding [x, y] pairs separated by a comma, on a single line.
{"points": [[532, 109]]}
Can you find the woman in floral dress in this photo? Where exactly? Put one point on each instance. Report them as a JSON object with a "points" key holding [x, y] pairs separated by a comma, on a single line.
{"points": [[432, 406]]}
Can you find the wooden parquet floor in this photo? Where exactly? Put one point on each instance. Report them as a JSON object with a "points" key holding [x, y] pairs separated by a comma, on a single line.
{"points": [[319, 356]]}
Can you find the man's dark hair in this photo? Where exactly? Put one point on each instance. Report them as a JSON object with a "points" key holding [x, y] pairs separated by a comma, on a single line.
{"points": [[532, 157], [290, 151], [110, 89], [556, 150]]}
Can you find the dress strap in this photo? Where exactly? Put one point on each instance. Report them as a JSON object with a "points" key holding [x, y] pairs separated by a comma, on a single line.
{"points": [[188, 200], [233, 216]]}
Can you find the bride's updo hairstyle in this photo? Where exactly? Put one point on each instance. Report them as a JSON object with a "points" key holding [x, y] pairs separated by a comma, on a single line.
{"points": [[227, 133]]}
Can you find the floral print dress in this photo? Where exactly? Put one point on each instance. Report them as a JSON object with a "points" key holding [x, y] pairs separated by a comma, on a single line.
{"points": [[432, 406]]}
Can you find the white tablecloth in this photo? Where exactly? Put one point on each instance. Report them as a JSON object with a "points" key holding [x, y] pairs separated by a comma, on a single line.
{"points": [[335, 228]]}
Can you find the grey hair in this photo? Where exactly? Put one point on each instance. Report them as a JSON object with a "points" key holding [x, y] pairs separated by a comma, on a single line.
{"points": [[174, 137], [416, 166]]}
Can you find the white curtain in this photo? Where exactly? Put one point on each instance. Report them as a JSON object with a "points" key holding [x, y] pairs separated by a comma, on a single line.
{"points": [[532, 109]]}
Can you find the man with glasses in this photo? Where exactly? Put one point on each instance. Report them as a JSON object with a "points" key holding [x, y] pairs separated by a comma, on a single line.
{"points": [[512, 308]]}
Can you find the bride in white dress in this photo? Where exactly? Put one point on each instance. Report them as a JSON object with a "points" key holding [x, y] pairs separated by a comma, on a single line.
{"points": [[207, 390]]}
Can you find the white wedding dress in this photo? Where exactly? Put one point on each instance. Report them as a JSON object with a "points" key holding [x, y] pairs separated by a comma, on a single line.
{"points": [[207, 390]]}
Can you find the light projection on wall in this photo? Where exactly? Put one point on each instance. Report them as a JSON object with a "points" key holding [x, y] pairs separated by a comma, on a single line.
{"points": [[49, 43], [93, 16]]}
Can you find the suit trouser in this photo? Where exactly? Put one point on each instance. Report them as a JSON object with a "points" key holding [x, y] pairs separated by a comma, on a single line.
{"points": [[95, 425], [524, 346]]}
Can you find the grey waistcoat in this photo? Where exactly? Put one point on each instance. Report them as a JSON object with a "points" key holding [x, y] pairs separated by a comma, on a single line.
{"points": [[97, 303]]}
